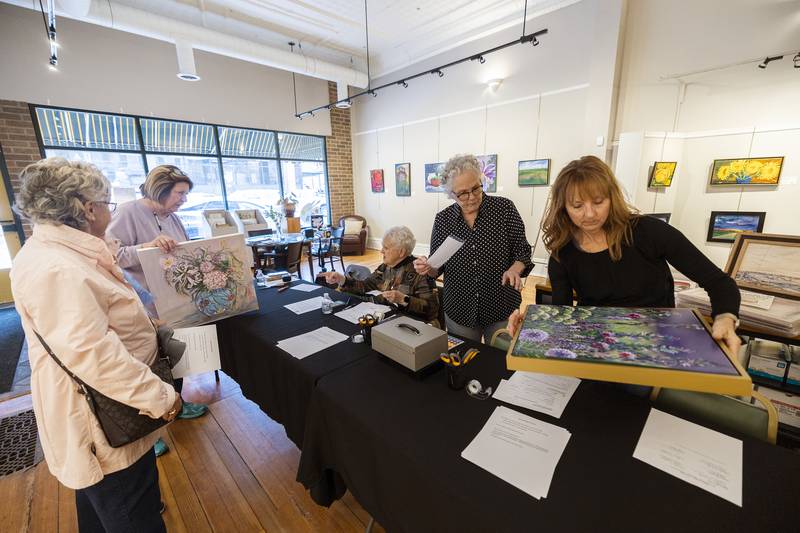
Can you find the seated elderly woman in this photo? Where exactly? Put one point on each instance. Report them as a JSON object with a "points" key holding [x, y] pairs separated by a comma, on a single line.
{"points": [[399, 284], [71, 293]]}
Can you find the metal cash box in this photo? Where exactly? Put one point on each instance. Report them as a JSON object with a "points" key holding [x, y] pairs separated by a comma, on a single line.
{"points": [[412, 343]]}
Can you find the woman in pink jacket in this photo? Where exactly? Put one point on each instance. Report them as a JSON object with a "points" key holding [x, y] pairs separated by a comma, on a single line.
{"points": [[68, 288]]}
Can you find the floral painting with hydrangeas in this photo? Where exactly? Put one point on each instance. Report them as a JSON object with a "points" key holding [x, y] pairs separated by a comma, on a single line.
{"points": [[658, 338], [200, 281]]}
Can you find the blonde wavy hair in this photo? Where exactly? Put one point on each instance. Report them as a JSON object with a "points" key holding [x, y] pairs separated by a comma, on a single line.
{"points": [[587, 177]]}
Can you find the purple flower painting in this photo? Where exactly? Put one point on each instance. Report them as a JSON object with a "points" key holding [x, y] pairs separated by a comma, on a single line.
{"points": [[655, 338]]}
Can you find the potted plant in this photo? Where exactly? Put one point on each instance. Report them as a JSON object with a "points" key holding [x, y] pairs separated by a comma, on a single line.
{"points": [[289, 203]]}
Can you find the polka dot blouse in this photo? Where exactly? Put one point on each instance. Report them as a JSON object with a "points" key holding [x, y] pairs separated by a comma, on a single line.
{"points": [[473, 294]]}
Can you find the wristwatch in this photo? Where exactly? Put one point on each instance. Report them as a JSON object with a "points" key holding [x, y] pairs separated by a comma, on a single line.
{"points": [[732, 316]]}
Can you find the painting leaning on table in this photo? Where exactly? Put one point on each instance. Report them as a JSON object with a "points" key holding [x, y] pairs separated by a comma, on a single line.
{"points": [[670, 339]]}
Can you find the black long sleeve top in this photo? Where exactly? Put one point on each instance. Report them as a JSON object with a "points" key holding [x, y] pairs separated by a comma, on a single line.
{"points": [[473, 293], [641, 278]]}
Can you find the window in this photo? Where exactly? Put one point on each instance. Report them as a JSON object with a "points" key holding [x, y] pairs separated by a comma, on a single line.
{"points": [[232, 168]]}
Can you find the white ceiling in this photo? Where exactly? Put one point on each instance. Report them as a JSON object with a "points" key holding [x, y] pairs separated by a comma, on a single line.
{"points": [[401, 32]]}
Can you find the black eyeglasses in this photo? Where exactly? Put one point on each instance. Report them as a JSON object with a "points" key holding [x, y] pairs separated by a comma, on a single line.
{"points": [[112, 206], [476, 191]]}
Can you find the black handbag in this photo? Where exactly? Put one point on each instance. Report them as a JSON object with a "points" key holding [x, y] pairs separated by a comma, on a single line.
{"points": [[121, 424]]}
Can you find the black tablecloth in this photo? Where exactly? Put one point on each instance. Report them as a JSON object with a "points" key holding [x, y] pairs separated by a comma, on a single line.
{"points": [[277, 382], [396, 443]]}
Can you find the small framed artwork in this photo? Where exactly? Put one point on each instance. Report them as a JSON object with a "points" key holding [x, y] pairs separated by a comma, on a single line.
{"points": [[724, 226], [749, 171], [317, 221], [766, 263], [660, 216], [661, 174], [489, 170], [376, 179], [533, 173], [433, 177], [656, 347], [402, 179]]}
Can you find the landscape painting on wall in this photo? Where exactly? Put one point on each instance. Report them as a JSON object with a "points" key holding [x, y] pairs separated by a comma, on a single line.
{"points": [[489, 170], [376, 179], [433, 177], [766, 263], [402, 179], [661, 174], [750, 171], [628, 345], [724, 226], [533, 173], [200, 281]]}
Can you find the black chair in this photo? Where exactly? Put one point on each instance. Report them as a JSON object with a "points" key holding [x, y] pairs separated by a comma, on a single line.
{"points": [[288, 258], [357, 272], [329, 248]]}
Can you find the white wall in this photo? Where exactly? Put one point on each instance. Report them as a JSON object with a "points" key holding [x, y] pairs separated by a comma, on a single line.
{"points": [[540, 111], [108, 70], [738, 111]]}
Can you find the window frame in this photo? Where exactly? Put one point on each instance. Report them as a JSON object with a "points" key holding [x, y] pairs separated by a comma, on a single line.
{"points": [[143, 153]]}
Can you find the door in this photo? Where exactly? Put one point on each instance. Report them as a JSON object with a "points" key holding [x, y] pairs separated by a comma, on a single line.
{"points": [[12, 232]]}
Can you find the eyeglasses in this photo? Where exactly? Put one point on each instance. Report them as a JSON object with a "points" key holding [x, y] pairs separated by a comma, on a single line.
{"points": [[476, 191], [112, 206]]}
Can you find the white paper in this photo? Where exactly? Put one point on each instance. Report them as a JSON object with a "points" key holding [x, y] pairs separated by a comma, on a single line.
{"points": [[518, 449], [693, 453], [305, 306], [539, 392], [444, 252], [305, 287], [375, 293], [364, 308], [202, 351], [303, 345], [754, 299]]}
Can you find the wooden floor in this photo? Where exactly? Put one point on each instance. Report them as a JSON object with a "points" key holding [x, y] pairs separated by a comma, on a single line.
{"points": [[231, 470]]}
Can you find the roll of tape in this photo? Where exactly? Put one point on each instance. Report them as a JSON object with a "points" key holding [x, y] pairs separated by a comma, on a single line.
{"points": [[474, 387], [358, 338]]}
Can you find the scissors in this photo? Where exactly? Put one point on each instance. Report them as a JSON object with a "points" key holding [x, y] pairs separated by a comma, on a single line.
{"points": [[450, 359], [367, 321], [470, 355]]}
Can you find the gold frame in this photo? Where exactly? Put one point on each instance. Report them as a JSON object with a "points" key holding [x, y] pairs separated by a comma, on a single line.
{"points": [[740, 385], [737, 254]]}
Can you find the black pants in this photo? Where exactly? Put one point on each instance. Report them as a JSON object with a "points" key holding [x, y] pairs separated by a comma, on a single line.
{"points": [[127, 501]]}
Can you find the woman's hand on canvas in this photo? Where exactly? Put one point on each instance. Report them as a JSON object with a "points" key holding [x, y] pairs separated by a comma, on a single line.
{"points": [[724, 329], [333, 277], [423, 268], [514, 322], [167, 244]]}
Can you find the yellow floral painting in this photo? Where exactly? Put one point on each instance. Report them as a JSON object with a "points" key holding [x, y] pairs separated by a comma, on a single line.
{"points": [[751, 171], [662, 173]]}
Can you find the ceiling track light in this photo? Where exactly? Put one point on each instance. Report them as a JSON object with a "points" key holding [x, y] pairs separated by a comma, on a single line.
{"points": [[768, 60], [480, 57]]}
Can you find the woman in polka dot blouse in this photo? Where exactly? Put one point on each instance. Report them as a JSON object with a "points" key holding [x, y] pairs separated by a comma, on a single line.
{"points": [[483, 279]]}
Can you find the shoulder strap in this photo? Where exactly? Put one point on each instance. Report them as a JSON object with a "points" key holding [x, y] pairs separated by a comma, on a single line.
{"points": [[47, 348]]}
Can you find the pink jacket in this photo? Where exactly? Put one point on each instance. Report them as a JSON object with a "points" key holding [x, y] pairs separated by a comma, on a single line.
{"points": [[68, 287]]}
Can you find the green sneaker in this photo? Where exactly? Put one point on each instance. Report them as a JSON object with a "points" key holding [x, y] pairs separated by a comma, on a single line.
{"points": [[160, 447], [192, 410]]}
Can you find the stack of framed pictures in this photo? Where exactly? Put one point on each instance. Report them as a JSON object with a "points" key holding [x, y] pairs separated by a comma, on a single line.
{"points": [[656, 347]]}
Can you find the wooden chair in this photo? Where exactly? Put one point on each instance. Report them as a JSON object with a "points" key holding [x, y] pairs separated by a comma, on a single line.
{"points": [[288, 258]]}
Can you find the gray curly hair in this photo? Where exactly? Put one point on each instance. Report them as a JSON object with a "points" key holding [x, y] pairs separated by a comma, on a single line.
{"points": [[457, 165], [401, 237], [53, 191]]}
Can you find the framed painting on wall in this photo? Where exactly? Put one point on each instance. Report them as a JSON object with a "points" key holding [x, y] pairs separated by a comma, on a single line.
{"points": [[376, 179], [489, 170], [533, 172], [749, 171], [661, 174], [766, 263], [660, 216], [402, 179], [724, 226], [433, 177], [656, 347], [200, 281]]}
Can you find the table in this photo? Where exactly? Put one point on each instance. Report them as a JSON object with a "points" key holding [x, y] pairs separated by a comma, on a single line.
{"points": [[270, 242], [277, 382], [395, 443]]}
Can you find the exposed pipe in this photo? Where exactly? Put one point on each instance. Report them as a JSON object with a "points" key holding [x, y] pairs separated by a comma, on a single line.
{"points": [[121, 17]]}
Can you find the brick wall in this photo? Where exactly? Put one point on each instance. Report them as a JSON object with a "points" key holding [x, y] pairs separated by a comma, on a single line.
{"points": [[340, 161], [18, 141]]}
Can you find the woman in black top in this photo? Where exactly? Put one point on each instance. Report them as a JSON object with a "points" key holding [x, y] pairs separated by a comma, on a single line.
{"points": [[611, 256], [483, 278]]}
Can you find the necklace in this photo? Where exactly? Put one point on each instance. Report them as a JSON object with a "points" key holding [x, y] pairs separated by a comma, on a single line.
{"points": [[155, 216]]}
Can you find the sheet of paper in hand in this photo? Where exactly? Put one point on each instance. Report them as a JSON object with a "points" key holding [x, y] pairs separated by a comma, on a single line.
{"points": [[656, 347], [200, 281]]}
